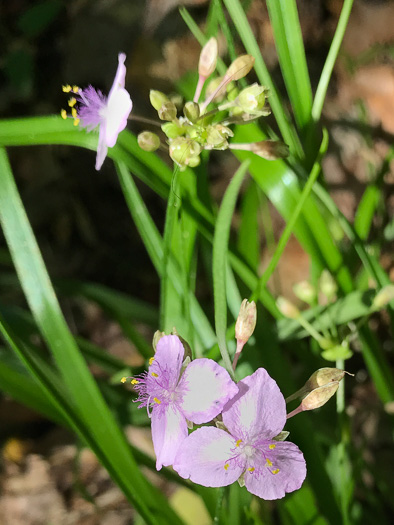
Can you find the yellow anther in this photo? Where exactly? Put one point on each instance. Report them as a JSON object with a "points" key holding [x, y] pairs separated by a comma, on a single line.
{"points": [[76, 121], [275, 471], [75, 89], [226, 466], [269, 462], [154, 374], [238, 442], [66, 89], [74, 112], [134, 381], [157, 400], [72, 102], [151, 360], [63, 114], [251, 469], [123, 380], [271, 447]]}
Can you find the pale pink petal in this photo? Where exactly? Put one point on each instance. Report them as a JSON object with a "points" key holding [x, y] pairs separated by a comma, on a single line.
{"points": [[120, 76], [289, 460], [258, 411], [101, 148], [205, 458], [205, 388], [116, 114], [169, 430], [168, 360]]}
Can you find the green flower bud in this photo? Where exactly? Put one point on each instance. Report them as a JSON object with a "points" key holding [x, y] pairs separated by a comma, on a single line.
{"points": [[383, 297], [212, 87], [217, 136], [182, 150], [287, 308], [157, 99], [232, 91], [172, 130], [194, 161], [191, 111], [252, 98], [337, 352], [328, 286], [208, 57], [305, 291], [240, 67], [167, 111], [148, 141]]}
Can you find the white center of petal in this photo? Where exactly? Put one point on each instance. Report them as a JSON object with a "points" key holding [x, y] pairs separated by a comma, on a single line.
{"points": [[248, 451]]}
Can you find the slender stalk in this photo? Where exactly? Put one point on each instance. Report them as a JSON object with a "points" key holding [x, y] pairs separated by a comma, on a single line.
{"points": [[341, 452], [330, 60], [290, 224], [219, 504]]}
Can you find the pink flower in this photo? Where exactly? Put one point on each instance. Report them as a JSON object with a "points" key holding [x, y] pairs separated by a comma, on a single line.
{"points": [[214, 458], [108, 114], [198, 395]]}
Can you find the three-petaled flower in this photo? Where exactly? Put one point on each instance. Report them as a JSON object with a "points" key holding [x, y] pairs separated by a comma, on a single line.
{"points": [[95, 110], [196, 393], [269, 468]]}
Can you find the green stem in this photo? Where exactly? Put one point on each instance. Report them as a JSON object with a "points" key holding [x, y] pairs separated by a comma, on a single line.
{"points": [[219, 504], [293, 219], [341, 452], [330, 60], [171, 216]]}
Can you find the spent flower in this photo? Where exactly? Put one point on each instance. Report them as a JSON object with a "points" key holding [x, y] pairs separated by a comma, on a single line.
{"points": [[175, 392], [247, 451], [92, 109]]}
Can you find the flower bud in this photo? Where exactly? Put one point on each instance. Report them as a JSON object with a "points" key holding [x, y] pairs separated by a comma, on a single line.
{"points": [[383, 297], [246, 321], [270, 149], [319, 396], [208, 58], [287, 308], [167, 111], [191, 110], [148, 141], [335, 352], [182, 150], [217, 136], [157, 99], [232, 91], [172, 130], [194, 161], [328, 286], [212, 87], [305, 291], [324, 376], [252, 98], [240, 67]]}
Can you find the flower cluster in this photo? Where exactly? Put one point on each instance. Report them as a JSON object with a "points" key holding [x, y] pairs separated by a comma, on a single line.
{"points": [[244, 445], [205, 125]]}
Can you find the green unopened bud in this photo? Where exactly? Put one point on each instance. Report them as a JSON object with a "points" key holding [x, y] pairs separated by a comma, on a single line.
{"points": [[232, 91], [240, 67], [319, 396], [148, 141], [335, 352], [287, 308], [270, 149], [328, 286], [217, 137], [167, 111], [212, 87], [246, 321], [172, 130], [182, 150], [252, 98], [191, 111], [208, 57], [194, 161], [324, 376], [157, 99], [305, 291], [383, 297]]}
